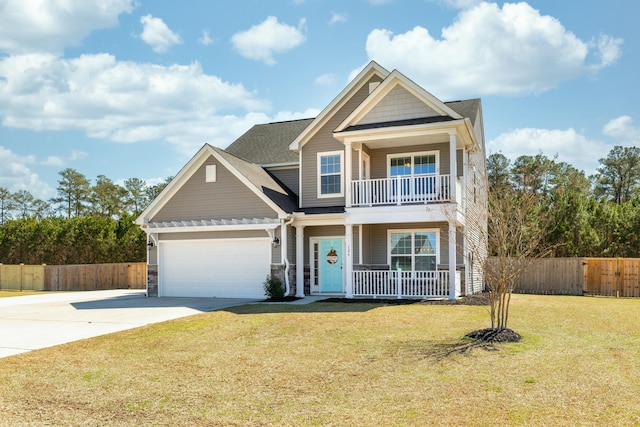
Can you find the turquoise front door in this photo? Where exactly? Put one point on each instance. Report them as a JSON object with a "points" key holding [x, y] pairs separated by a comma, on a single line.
{"points": [[330, 265]]}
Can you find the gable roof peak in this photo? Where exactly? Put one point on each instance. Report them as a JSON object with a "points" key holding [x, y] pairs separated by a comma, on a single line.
{"points": [[370, 70]]}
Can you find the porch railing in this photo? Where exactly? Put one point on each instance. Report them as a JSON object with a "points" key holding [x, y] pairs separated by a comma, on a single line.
{"points": [[400, 190], [401, 284]]}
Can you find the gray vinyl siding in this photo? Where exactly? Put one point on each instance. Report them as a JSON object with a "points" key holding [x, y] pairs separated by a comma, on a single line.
{"points": [[324, 141], [476, 219], [227, 198], [379, 167], [289, 177]]}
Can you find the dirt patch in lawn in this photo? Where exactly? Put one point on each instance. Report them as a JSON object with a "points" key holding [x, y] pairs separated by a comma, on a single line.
{"points": [[476, 299]]}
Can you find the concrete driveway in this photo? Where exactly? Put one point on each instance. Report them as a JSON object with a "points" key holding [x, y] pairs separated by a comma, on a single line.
{"points": [[38, 321]]}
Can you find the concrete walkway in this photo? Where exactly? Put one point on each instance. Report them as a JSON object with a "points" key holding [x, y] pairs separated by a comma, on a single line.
{"points": [[38, 321]]}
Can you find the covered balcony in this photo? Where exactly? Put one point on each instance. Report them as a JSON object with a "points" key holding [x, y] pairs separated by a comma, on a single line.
{"points": [[401, 190]]}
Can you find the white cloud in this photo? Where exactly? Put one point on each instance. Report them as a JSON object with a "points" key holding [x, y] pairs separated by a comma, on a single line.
{"points": [[337, 17], [206, 39], [622, 128], [326, 79], [77, 155], [570, 146], [51, 25], [15, 174], [511, 50], [128, 102], [261, 42], [53, 161], [157, 35], [461, 4]]}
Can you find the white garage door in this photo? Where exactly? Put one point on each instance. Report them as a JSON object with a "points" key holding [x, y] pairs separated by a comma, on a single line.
{"points": [[234, 268]]}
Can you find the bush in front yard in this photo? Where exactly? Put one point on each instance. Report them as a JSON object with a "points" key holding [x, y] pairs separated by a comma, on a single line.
{"points": [[273, 287]]}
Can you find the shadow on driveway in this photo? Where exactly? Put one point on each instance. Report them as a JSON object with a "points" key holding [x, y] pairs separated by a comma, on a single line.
{"points": [[140, 301]]}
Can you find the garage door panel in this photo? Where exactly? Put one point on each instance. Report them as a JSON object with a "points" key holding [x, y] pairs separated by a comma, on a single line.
{"points": [[234, 268]]}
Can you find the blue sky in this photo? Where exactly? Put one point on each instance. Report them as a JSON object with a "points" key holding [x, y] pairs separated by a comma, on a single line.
{"points": [[133, 88]]}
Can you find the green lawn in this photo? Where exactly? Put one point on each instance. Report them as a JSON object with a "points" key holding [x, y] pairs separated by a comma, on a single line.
{"points": [[341, 364], [5, 294]]}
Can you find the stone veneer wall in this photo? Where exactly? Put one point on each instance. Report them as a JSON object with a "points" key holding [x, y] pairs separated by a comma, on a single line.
{"points": [[152, 280], [277, 270]]}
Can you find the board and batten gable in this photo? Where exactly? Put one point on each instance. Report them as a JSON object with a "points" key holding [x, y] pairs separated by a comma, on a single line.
{"points": [[226, 198], [323, 141]]}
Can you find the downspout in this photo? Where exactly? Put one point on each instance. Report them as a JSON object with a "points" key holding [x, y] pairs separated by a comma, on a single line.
{"points": [[285, 259]]}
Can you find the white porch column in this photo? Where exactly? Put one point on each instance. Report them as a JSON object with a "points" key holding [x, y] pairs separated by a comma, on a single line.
{"points": [[453, 166], [348, 260], [348, 173], [300, 261], [452, 261]]}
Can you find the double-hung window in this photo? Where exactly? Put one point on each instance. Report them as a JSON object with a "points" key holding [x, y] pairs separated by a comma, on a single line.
{"points": [[330, 172], [413, 250]]}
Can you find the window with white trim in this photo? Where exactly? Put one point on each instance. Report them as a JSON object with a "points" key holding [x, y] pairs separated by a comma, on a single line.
{"points": [[413, 250], [413, 164], [330, 171]]}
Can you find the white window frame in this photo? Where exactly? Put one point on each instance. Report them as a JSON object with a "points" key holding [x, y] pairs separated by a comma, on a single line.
{"points": [[319, 175], [413, 155], [413, 231]]}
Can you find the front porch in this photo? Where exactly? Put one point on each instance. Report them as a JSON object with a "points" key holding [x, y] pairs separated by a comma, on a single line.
{"points": [[404, 284]]}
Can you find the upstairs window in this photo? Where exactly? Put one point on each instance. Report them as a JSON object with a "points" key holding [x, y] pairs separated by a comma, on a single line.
{"points": [[413, 164], [330, 174]]}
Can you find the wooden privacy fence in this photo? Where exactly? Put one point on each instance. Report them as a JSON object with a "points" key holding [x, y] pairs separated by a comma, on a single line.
{"points": [[81, 277], [618, 277]]}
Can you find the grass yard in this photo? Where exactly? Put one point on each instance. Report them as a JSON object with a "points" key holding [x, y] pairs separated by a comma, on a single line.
{"points": [[343, 365], [5, 294]]}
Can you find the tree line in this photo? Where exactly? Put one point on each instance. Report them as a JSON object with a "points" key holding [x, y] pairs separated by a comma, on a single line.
{"points": [[594, 216], [84, 224]]}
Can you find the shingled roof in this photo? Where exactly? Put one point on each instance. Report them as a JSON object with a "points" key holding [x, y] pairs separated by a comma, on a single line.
{"points": [[264, 181], [268, 144], [467, 108]]}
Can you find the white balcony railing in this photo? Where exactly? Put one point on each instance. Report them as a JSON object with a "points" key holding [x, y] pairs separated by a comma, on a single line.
{"points": [[401, 284], [400, 190]]}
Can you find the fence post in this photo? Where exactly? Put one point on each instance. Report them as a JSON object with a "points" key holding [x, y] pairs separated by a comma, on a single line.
{"points": [[399, 283], [21, 275]]}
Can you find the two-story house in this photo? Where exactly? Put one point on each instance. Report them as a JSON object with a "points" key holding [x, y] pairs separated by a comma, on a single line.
{"points": [[383, 194]]}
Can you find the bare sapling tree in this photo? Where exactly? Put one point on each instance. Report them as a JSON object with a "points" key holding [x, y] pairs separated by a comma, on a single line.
{"points": [[508, 232], [517, 227]]}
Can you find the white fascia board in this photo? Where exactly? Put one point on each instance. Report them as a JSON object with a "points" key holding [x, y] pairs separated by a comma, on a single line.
{"points": [[367, 72], [441, 212], [391, 81], [365, 135], [474, 144], [176, 183], [187, 171], [204, 228], [287, 165]]}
